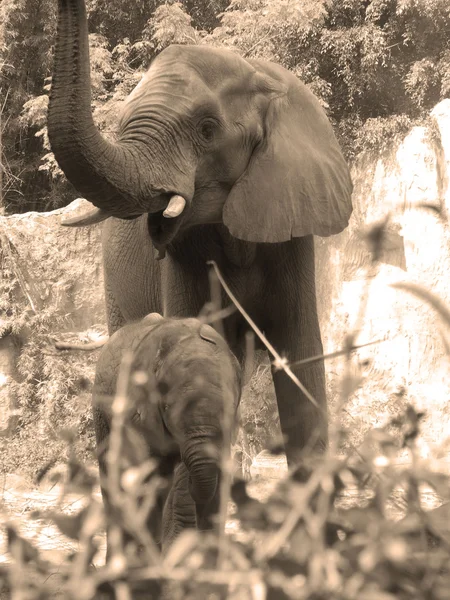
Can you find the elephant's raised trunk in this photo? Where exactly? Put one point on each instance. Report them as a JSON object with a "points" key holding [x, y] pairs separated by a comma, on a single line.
{"points": [[110, 175]]}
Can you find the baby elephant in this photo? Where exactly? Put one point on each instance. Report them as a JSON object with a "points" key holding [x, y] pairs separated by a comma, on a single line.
{"points": [[181, 376]]}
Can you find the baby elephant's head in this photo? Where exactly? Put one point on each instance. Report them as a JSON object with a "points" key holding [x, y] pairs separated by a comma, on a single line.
{"points": [[193, 387]]}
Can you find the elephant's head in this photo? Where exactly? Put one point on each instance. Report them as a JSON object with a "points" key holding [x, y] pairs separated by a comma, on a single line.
{"points": [[206, 137], [192, 377]]}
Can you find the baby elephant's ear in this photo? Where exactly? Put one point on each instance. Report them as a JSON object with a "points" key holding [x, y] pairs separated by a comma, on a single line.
{"points": [[297, 181], [208, 334], [152, 318]]}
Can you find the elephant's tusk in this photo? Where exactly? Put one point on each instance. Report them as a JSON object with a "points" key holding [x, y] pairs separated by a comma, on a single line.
{"points": [[175, 207]]}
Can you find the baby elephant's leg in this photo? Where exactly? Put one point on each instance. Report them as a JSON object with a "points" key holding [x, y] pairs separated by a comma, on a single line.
{"points": [[179, 510]]}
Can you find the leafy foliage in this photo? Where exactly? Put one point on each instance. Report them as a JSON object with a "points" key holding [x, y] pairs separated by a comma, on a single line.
{"points": [[373, 60], [336, 534], [52, 388], [172, 25]]}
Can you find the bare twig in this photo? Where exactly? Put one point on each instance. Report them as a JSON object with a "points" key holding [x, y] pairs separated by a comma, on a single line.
{"points": [[226, 466], [343, 352], [279, 362], [230, 578], [216, 300], [209, 315], [88, 346], [281, 536]]}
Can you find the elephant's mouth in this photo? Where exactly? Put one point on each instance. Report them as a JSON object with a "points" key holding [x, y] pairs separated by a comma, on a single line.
{"points": [[164, 224]]}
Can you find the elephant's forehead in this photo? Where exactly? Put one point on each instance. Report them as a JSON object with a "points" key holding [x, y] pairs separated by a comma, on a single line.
{"points": [[180, 339], [193, 64], [182, 78], [190, 329]]}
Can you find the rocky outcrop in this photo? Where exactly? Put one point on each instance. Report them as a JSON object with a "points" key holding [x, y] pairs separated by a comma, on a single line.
{"points": [[55, 266], [51, 283], [409, 184]]}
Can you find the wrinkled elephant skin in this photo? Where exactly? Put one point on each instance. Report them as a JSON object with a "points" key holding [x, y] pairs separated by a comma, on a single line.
{"points": [[219, 158], [181, 377]]}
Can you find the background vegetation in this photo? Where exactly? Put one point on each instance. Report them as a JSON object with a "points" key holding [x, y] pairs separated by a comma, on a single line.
{"points": [[357, 529], [47, 292], [377, 66]]}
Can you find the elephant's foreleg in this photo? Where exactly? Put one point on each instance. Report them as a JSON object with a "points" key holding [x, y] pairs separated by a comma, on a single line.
{"points": [[114, 316], [294, 332], [303, 425], [179, 510], [184, 289]]}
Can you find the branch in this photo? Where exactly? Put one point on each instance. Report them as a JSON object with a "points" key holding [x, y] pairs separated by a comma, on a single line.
{"points": [[279, 362], [89, 346]]}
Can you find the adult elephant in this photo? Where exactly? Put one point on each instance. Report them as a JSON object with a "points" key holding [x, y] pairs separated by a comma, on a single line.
{"points": [[177, 411], [216, 158]]}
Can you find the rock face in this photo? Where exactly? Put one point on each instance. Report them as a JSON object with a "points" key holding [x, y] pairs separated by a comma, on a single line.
{"points": [[410, 183], [48, 272], [54, 265]]}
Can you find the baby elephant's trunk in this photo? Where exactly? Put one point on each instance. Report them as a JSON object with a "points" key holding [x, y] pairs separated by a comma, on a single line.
{"points": [[201, 456]]}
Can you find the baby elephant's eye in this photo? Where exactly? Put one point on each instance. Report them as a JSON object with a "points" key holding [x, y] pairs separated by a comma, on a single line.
{"points": [[207, 129], [163, 387], [166, 407]]}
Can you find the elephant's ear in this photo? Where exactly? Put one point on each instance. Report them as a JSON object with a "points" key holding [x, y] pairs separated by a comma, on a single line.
{"points": [[152, 319], [297, 181], [207, 333]]}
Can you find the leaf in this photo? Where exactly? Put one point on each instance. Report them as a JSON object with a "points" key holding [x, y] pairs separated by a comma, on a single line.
{"points": [[239, 493], [411, 524], [285, 564], [27, 551], [395, 549], [438, 521], [42, 472], [438, 481], [376, 595], [95, 518], [185, 543], [360, 519], [69, 525], [259, 591], [80, 480], [380, 436], [277, 449]]}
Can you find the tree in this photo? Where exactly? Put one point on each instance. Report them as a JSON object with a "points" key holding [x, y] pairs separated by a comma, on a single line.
{"points": [[377, 66]]}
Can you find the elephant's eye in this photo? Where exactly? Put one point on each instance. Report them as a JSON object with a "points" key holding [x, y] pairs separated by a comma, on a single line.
{"points": [[207, 129], [163, 388]]}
